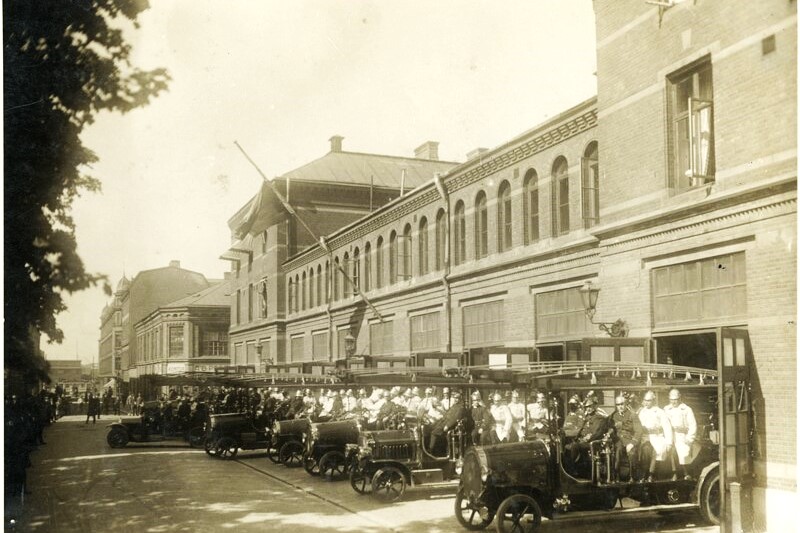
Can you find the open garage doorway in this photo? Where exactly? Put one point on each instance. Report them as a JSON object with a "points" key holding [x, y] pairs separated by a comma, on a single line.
{"points": [[694, 349]]}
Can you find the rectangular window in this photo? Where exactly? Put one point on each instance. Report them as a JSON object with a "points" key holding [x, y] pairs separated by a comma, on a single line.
{"points": [[425, 332], [297, 348], [214, 342], [560, 315], [700, 291], [252, 356], [175, 341], [237, 314], [319, 346], [483, 324], [341, 345], [238, 354], [381, 338], [692, 126], [266, 353]]}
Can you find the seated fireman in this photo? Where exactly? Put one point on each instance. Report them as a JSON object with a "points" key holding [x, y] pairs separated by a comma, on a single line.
{"points": [[593, 427], [451, 418], [627, 432]]}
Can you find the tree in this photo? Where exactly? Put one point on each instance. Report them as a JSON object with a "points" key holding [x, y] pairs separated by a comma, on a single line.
{"points": [[65, 61]]}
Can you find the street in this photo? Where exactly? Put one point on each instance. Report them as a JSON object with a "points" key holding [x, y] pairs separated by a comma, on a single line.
{"points": [[79, 484]]}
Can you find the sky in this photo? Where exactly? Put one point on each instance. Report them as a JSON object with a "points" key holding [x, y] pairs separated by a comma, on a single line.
{"points": [[281, 78]]}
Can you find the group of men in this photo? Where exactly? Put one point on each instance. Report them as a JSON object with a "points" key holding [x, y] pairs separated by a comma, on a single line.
{"points": [[641, 438]]}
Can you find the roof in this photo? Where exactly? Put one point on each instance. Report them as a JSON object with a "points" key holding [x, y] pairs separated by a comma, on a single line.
{"points": [[216, 294], [342, 168], [380, 170]]}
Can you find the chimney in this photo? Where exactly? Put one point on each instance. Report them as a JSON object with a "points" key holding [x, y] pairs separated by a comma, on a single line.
{"points": [[427, 150], [476, 152], [175, 263], [336, 143]]}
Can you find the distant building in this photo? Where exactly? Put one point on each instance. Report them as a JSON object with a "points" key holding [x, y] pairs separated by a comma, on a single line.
{"points": [[187, 335], [132, 302], [65, 371]]}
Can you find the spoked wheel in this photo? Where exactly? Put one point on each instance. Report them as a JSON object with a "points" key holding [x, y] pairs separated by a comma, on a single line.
{"points": [[272, 454], [360, 480], [519, 514], [196, 437], [291, 454], [710, 498], [227, 448], [210, 447], [310, 465], [472, 516], [333, 466], [117, 438], [388, 484]]}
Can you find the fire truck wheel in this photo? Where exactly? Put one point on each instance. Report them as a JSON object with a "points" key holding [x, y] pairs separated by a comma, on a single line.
{"points": [[518, 513], [388, 484], [710, 498]]}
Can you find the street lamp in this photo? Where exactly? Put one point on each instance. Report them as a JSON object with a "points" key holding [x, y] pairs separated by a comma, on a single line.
{"points": [[589, 294], [349, 344]]}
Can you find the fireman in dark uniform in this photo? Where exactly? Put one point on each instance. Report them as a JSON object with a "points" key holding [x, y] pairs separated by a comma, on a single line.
{"points": [[451, 418], [482, 423]]}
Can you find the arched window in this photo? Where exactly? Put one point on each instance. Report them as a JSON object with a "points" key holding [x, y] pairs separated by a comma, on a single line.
{"points": [[367, 267], [321, 296], [460, 238], [406, 248], [347, 287], [356, 275], [379, 263], [303, 293], [296, 296], [289, 296], [327, 281], [481, 227], [337, 280], [441, 239], [590, 186], [422, 242], [560, 194], [504, 218], [392, 258], [531, 206], [311, 288]]}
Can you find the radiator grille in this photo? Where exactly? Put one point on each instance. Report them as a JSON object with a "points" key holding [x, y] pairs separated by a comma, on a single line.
{"points": [[393, 451]]}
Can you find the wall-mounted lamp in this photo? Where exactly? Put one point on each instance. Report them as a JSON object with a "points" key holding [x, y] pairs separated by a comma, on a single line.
{"points": [[589, 294], [349, 344]]}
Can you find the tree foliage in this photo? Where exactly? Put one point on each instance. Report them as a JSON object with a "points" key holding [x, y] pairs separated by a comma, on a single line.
{"points": [[64, 62]]}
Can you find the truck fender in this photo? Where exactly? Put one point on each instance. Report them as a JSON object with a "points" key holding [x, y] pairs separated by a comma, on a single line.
{"points": [[702, 479]]}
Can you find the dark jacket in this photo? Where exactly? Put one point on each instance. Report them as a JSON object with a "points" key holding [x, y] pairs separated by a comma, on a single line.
{"points": [[481, 418], [594, 427], [626, 427], [456, 412]]}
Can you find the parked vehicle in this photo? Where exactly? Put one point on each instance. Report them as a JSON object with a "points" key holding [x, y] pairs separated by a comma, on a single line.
{"points": [[326, 448], [517, 484], [149, 427], [288, 441], [386, 462], [227, 433]]}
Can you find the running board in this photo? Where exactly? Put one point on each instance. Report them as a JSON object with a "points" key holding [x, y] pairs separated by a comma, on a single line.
{"points": [[627, 510]]}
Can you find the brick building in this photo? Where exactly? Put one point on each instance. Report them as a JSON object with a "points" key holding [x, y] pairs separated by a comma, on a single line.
{"points": [[674, 192], [187, 335], [135, 300]]}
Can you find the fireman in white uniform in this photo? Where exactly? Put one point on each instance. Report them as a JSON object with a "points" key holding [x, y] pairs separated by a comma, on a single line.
{"points": [[658, 429], [517, 409], [684, 432], [502, 419]]}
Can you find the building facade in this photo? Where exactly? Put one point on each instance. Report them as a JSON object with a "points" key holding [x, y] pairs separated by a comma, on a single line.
{"points": [[110, 344], [134, 301], [187, 335], [674, 192], [329, 193]]}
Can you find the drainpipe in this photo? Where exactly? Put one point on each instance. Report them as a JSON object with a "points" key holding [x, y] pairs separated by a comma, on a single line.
{"points": [[445, 278]]}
